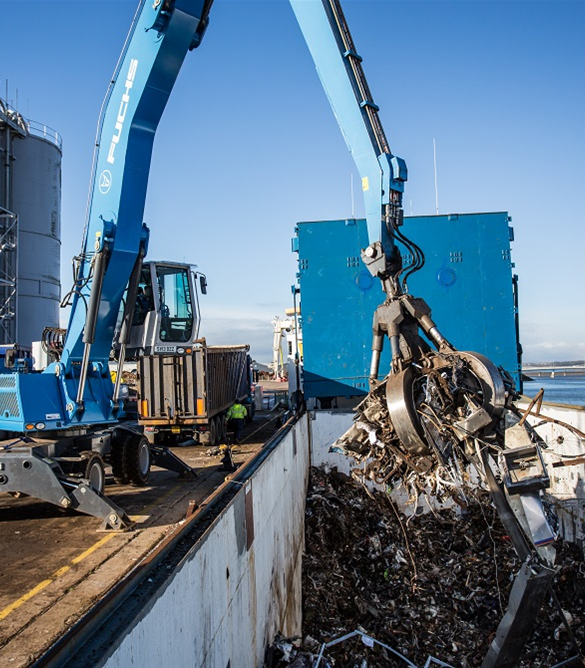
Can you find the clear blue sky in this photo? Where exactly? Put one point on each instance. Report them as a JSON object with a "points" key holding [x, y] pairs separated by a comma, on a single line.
{"points": [[248, 144]]}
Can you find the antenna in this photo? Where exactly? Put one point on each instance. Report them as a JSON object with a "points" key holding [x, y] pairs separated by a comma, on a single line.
{"points": [[436, 186]]}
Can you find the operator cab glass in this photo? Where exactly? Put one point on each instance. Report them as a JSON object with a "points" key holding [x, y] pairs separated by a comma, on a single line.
{"points": [[176, 306], [165, 312], [144, 298]]}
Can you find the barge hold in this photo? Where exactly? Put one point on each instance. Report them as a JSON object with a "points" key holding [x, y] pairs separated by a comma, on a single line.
{"points": [[434, 584]]}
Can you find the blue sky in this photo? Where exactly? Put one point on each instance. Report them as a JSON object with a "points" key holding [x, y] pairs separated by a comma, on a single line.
{"points": [[248, 145]]}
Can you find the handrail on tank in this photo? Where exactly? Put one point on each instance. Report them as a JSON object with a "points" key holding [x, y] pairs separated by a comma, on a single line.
{"points": [[45, 132], [9, 114]]}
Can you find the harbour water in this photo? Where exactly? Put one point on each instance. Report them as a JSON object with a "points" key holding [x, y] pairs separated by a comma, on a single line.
{"points": [[560, 389]]}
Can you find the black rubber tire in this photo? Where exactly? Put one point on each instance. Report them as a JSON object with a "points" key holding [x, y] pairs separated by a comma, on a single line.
{"points": [[251, 412], [137, 459], [212, 432], [94, 473], [118, 457], [221, 429]]}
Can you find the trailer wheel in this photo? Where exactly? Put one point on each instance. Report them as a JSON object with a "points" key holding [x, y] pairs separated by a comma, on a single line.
{"points": [[221, 429], [251, 412], [212, 432], [94, 473], [137, 459], [118, 457]]}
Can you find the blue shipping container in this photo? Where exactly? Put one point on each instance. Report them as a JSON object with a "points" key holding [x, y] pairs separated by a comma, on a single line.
{"points": [[467, 281]]}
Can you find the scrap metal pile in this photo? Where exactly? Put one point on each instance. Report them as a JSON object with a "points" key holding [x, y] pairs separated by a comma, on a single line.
{"points": [[434, 584], [420, 428]]}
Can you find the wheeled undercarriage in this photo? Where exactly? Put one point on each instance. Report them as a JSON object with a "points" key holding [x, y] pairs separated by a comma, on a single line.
{"points": [[68, 470]]}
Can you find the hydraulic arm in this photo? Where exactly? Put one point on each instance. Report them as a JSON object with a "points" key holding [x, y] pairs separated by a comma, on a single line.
{"points": [[383, 176], [115, 239], [439, 410]]}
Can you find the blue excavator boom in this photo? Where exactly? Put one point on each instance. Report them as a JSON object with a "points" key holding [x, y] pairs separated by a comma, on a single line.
{"points": [[382, 174], [77, 389]]}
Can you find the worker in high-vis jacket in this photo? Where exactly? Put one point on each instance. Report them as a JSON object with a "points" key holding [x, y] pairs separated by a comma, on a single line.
{"points": [[237, 416]]}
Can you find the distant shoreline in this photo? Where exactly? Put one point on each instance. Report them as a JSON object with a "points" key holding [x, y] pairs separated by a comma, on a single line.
{"points": [[566, 364], [529, 374]]}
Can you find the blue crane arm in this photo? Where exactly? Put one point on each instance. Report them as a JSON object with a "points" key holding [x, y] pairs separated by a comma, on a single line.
{"points": [[339, 67], [403, 402], [114, 235]]}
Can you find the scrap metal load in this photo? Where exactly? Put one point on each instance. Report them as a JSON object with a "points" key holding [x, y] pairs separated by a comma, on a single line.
{"points": [[433, 585], [443, 423], [423, 425]]}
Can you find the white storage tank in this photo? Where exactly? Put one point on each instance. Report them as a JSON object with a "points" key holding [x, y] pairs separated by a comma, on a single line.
{"points": [[36, 199]]}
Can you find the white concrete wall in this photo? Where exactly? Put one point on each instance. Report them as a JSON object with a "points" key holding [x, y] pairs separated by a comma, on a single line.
{"points": [[326, 428], [240, 584], [567, 490]]}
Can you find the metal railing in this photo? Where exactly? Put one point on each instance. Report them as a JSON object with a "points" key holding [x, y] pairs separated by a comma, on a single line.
{"points": [[27, 127], [45, 132]]}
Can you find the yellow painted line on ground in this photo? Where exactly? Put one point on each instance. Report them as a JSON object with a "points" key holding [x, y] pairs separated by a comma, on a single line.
{"points": [[76, 560], [93, 548], [23, 599], [57, 574]]}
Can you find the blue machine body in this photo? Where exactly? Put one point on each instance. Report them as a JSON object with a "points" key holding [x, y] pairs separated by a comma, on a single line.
{"points": [[467, 278], [154, 52]]}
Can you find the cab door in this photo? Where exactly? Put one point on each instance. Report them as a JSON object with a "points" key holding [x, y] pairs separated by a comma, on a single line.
{"points": [[166, 318]]}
